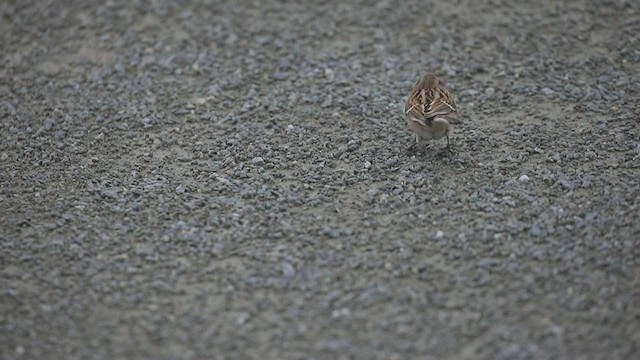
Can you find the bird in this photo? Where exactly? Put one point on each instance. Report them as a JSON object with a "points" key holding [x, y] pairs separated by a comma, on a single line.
{"points": [[430, 110]]}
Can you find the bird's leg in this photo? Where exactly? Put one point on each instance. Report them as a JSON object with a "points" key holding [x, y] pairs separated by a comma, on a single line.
{"points": [[414, 146], [449, 148]]}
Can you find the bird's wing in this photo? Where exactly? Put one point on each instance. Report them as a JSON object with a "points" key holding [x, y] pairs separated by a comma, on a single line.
{"points": [[441, 103], [425, 104]]}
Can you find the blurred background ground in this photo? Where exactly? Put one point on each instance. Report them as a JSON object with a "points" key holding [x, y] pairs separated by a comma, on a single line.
{"points": [[230, 180]]}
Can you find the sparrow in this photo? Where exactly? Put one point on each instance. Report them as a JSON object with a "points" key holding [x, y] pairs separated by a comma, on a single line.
{"points": [[430, 110]]}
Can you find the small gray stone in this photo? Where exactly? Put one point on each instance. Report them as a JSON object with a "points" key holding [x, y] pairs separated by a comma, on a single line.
{"points": [[593, 107], [110, 194], [536, 230], [280, 75], [143, 249], [327, 101], [546, 91], [354, 110], [467, 92], [288, 271], [391, 162], [258, 161], [489, 91]]}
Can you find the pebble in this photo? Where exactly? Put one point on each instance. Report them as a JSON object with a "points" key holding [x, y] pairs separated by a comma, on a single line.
{"points": [[20, 350], [469, 92], [288, 271], [536, 230], [110, 194], [327, 101], [546, 91], [523, 178], [489, 91], [593, 107], [257, 161]]}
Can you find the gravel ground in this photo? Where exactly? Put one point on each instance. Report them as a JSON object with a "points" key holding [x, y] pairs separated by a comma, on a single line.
{"points": [[231, 180]]}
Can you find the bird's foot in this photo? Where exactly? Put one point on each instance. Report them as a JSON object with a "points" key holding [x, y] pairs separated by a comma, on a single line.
{"points": [[413, 148], [450, 150]]}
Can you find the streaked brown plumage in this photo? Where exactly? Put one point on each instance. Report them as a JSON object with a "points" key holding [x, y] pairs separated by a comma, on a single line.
{"points": [[430, 110]]}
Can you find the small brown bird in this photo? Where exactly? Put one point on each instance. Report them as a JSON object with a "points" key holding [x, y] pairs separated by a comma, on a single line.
{"points": [[430, 110]]}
